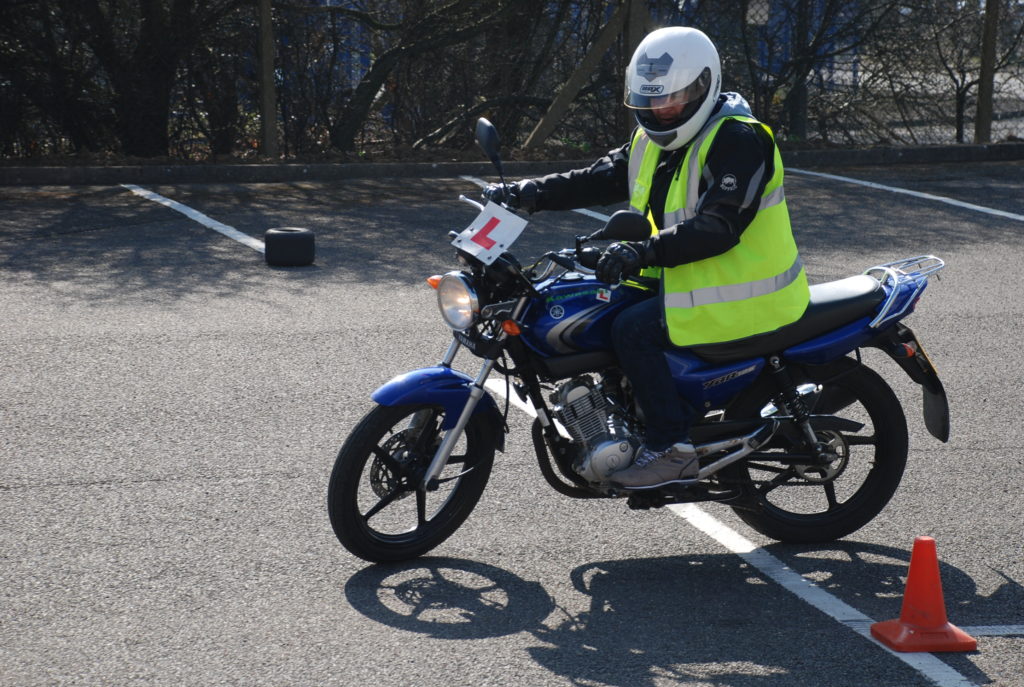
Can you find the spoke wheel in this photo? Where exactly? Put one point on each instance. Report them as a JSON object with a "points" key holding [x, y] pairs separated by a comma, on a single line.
{"points": [[377, 506], [807, 503]]}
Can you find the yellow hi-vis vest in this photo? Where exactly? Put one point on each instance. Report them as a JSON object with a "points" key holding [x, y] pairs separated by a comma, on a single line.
{"points": [[756, 286]]}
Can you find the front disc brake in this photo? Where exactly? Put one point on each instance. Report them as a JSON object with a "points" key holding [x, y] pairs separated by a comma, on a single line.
{"points": [[383, 479]]}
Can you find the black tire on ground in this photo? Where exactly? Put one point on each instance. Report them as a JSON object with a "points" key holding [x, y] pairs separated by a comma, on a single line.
{"points": [[289, 247], [791, 508], [376, 507]]}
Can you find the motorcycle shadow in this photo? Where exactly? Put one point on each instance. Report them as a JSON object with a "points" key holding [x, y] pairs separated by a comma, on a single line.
{"points": [[449, 598], [679, 618]]}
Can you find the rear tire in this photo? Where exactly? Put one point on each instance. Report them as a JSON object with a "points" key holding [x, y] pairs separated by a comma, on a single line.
{"points": [[374, 500], [805, 505]]}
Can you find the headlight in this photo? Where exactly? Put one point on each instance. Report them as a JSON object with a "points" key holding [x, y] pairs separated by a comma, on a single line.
{"points": [[458, 301]]}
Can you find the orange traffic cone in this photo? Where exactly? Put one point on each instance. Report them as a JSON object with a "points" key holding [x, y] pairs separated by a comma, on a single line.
{"points": [[922, 625]]}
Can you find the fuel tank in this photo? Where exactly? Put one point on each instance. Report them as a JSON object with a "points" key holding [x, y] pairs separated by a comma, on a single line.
{"points": [[575, 314]]}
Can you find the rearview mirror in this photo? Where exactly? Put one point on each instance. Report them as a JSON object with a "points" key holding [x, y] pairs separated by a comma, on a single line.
{"points": [[487, 139], [624, 225]]}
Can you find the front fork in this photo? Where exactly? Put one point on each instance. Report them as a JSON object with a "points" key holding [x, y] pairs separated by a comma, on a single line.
{"points": [[476, 392]]}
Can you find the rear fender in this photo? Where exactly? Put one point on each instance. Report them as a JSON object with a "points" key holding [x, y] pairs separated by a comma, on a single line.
{"points": [[902, 345], [445, 387]]}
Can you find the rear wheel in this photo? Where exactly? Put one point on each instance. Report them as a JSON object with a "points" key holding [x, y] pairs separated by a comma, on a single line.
{"points": [[377, 507], [807, 503]]}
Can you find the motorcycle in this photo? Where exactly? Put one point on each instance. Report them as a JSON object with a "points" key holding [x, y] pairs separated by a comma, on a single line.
{"points": [[798, 436]]}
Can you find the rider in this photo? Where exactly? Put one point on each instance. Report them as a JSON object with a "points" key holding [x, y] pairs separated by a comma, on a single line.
{"points": [[708, 177]]}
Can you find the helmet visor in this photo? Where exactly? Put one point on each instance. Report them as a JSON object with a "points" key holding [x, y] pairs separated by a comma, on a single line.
{"points": [[653, 97]]}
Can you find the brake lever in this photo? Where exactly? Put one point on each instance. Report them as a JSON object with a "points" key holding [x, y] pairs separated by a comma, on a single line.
{"points": [[562, 260], [465, 199]]}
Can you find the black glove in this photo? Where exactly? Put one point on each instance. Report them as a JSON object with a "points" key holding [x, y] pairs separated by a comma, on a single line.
{"points": [[521, 194], [621, 260]]}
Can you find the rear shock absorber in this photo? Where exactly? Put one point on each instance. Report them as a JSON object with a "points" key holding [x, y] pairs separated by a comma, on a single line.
{"points": [[792, 403]]}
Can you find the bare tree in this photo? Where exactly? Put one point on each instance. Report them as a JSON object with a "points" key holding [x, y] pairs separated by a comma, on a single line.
{"points": [[140, 47]]}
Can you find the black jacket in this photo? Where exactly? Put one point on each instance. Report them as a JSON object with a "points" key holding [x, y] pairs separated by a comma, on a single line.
{"points": [[726, 206]]}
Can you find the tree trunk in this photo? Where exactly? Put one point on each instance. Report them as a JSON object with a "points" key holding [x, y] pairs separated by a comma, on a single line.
{"points": [[796, 101], [983, 119], [961, 110], [343, 133], [268, 95], [546, 126], [142, 108], [440, 28]]}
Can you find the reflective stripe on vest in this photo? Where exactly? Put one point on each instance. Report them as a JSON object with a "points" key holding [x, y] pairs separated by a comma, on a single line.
{"points": [[643, 151], [735, 292], [755, 287], [643, 159]]}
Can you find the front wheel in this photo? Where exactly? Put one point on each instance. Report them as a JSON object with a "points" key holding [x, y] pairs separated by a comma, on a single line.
{"points": [[377, 507], [807, 503]]}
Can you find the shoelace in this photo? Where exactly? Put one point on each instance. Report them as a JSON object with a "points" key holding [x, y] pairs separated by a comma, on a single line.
{"points": [[648, 456]]}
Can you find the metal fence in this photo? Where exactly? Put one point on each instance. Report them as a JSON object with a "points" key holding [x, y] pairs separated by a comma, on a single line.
{"points": [[820, 72]]}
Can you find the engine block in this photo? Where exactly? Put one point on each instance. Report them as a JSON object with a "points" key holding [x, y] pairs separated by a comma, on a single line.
{"points": [[606, 444], [580, 407]]}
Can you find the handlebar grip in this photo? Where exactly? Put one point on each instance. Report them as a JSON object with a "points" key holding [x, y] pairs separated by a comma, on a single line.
{"points": [[589, 256]]}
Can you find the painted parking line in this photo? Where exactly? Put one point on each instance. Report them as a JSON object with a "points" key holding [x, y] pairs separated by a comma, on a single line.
{"points": [[771, 567], [926, 664], [994, 630], [849, 180], [916, 194], [583, 211], [199, 217]]}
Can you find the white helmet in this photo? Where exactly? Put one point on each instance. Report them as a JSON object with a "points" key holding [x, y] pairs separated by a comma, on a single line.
{"points": [[675, 67]]}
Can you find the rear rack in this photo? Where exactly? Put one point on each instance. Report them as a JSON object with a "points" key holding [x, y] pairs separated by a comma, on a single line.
{"points": [[898, 273]]}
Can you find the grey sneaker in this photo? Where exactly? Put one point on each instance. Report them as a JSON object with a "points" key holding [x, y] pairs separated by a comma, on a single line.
{"points": [[652, 469]]}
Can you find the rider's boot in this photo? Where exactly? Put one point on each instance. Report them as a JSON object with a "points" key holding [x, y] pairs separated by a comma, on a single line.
{"points": [[677, 463]]}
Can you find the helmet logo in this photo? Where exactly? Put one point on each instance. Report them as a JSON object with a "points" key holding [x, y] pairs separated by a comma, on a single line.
{"points": [[651, 89], [651, 68]]}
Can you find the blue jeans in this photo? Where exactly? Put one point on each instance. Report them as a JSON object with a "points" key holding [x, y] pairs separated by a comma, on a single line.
{"points": [[640, 342]]}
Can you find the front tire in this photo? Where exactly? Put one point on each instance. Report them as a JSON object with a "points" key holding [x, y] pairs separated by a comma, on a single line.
{"points": [[376, 506], [809, 504]]}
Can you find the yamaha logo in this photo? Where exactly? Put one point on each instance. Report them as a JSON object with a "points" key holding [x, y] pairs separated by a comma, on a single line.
{"points": [[648, 89]]}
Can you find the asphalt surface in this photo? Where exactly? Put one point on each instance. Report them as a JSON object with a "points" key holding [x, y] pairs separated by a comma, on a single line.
{"points": [[170, 408]]}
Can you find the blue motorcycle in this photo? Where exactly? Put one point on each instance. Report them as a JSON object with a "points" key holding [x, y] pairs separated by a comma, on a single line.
{"points": [[799, 437]]}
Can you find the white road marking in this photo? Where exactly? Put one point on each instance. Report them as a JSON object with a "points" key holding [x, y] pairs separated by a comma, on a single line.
{"points": [[993, 630], [926, 664], [583, 211], [916, 194], [199, 217]]}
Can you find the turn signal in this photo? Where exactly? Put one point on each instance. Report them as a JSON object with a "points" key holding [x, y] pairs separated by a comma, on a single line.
{"points": [[434, 280], [511, 327]]}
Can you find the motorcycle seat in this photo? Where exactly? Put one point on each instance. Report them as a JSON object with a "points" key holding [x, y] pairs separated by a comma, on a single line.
{"points": [[832, 305]]}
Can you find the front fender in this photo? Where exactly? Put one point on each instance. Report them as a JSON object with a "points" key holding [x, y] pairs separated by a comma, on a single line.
{"points": [[441, 386]]}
